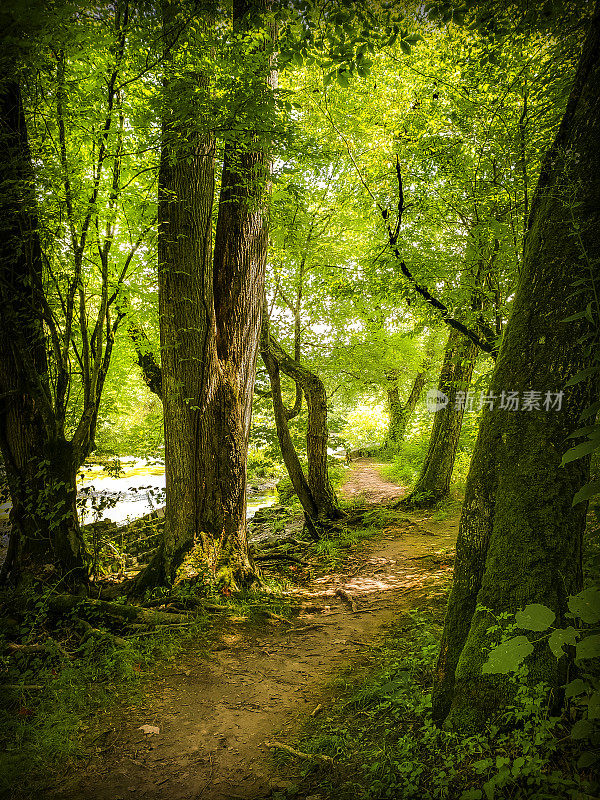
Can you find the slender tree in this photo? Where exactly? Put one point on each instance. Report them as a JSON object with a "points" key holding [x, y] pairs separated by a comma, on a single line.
{"points": [[401, 413], [47, 322]]}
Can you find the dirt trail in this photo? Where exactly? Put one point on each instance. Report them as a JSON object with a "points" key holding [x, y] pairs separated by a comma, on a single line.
{"points": [[215, 712]]}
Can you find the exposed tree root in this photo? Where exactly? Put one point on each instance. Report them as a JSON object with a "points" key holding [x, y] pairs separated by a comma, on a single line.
{"points": [[319, 759]]}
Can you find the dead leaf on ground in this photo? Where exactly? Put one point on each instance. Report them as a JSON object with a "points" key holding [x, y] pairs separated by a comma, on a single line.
{"points": [[149, 730]]}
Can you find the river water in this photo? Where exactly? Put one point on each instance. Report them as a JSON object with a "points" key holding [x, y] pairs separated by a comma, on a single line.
{"points": [[139, 489]]}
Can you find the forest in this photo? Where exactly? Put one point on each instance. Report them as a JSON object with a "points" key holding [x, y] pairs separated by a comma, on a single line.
{"points": [[300, 399]]}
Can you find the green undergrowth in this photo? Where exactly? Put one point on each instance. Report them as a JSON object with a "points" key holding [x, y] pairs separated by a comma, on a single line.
{"points": [[51, 697], [378, 728], [351, 535]]}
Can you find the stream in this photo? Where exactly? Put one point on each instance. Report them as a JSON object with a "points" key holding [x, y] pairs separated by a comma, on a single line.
{"points": [[139, 490]]}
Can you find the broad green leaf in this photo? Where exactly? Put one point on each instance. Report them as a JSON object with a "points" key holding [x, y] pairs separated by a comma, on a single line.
{"points": [[561, 637], [580, 451], [535, 617], [590, 411], [507, 656], [581, 376], [588, 647], [342, 79], [586, 605], [589, 490], [575, 688], [587, 759], [583, 431], [582, 729], [405, 47], [594, 706]]}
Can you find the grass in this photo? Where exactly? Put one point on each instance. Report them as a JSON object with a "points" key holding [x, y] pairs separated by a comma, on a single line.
{"points": [[41, 728], [57, 697], [378, 727]]}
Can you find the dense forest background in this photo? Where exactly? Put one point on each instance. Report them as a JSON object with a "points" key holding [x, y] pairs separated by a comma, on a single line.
{"points": [[244, 245]]}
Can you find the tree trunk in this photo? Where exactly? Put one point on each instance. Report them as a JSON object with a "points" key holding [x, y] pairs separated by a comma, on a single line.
{"points": [[288, 451], [210, 310], [433, 483], [520, 539], [41, 472], [401, 413], [317, 433]]}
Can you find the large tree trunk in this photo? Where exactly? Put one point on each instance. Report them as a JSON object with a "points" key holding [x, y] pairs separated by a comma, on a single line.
{"points": [[520, 539], [433, 483], [317, 433], [41, 471], [210, 310]]}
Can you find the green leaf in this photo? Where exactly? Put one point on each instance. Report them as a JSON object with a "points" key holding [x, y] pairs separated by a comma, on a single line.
{"points": [[342, 79], [535, 617], [586, 605], [594, 705], [582, 729], [405, 47], [574, 317], [580, 451], [588, 647], [589, 490], [472, 794], [561, 637], [590, 411], [581, 376], [575, 688], [507, 656], [584, 431], [587, 759]]}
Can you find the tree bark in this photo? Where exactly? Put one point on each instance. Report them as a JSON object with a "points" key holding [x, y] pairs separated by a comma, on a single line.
{"points": [[210, 310], [317, 433], [433, 483], [288, 451], [520, 539]]}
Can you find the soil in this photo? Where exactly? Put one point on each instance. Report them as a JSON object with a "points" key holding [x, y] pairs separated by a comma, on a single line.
{"points": [[215, 711]]}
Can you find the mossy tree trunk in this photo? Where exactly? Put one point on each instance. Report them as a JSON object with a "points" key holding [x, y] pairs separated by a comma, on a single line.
{"points": [[433, 483], [210, 313], [520, 538]]}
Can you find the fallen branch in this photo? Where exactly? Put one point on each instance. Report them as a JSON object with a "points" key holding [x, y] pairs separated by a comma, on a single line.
{"points": [[30, 687], [89, 630], [298, 754], [13, 647]]}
